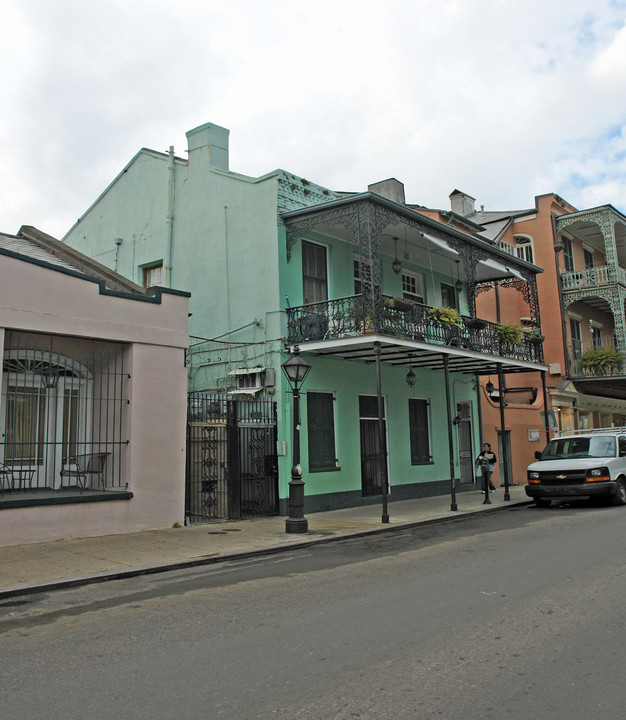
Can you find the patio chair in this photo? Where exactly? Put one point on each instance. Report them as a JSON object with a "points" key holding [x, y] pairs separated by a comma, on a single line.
{"points": [[5, 472], [89, 465]]}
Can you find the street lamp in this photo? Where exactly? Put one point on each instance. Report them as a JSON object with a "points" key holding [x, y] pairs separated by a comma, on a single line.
{"points": [[296, 369]]}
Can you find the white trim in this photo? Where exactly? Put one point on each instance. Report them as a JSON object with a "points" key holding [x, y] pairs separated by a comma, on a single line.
{"points": [[327, 249]]}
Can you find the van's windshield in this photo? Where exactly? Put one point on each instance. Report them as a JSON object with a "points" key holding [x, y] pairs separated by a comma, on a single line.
{"points": [[579, 447]]}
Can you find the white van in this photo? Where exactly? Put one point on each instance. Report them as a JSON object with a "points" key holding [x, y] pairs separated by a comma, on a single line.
{"points": [[584, 463]]}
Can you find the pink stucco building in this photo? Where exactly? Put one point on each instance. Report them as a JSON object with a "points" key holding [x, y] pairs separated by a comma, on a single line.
{"points": [[93, 403]]}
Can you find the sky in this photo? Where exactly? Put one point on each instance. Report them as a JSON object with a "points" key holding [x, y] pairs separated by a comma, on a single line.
{"points": [[502, 99]]}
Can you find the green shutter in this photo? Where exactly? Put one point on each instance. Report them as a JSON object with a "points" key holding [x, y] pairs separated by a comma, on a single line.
{"points": [[321, 431]]}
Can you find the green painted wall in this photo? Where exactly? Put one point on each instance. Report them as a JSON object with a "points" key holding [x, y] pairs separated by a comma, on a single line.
{"points": [[229, 251]]}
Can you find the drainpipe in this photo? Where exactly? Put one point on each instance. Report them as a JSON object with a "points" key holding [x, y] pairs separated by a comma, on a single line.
{"points": [[558, 247], [546, 422], [171, 179], [118, 242]]}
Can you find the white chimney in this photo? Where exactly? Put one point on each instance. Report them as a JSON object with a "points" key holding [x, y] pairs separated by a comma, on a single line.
{"points": [[461, 203]]}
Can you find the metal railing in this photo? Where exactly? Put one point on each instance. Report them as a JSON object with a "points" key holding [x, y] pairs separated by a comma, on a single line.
{"points": [[587, 278], [63, 400], [232, 469], [350, 317]]}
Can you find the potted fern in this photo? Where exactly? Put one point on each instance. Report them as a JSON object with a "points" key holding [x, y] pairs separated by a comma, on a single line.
{"points": [[600, 361], [509, 334], [447, 317]]}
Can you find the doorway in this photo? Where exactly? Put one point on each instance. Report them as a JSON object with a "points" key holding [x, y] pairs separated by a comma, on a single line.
{"points": [[372, 455], [464, 428]]}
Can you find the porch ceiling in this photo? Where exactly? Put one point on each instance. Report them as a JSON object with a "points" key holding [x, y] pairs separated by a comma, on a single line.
{"points": [[395, 351]]}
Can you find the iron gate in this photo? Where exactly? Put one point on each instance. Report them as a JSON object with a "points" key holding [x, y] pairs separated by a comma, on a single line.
{"points": [[232, 469]]}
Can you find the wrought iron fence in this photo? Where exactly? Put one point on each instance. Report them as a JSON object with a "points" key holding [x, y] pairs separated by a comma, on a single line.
{"points": [[353, 316], [231, 458], [62, 413]]}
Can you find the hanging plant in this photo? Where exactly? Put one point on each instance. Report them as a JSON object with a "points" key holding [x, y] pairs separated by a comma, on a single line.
{"points": [[445, 316], [396, 303], [509, 334], [600, 360], [533, 335], [474, 323]]}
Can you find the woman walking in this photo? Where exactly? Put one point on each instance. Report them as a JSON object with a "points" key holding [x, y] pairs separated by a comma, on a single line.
{"points": [[487, 461]]}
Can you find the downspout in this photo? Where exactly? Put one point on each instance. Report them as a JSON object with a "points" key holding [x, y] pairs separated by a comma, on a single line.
{"points": [[558, 247], [171, 180]]}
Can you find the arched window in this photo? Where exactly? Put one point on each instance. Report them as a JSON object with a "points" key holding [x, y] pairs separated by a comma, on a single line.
{"points": [[524, 248]]}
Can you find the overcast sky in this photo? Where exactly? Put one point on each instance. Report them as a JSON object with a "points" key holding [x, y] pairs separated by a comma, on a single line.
{"points": [[502, 99]]}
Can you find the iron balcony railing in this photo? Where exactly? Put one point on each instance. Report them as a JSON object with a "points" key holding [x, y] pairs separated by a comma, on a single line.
{"points": [[351, 317], [593, 277]]}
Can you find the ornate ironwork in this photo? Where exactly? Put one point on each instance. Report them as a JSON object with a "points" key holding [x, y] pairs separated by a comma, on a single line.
{"points": [[365, 220], [231, 457], [210, 473], [615, 296], [345, 317]]}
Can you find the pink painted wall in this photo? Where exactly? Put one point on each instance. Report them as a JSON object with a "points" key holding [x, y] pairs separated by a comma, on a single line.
{"points": [[34, 298]]}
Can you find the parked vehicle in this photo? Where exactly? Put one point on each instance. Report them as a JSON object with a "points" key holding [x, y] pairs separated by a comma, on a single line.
{"points": [[589, 463]]}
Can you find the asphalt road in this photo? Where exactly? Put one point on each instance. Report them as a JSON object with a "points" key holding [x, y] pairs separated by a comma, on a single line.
{"points": [[507, 615]]}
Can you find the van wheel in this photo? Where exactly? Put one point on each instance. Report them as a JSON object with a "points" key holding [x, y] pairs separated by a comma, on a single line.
{"points": [[544, 503], [620, 495]]}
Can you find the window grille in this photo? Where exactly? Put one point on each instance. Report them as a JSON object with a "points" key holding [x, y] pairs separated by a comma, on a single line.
{"points": [[62, 399]]}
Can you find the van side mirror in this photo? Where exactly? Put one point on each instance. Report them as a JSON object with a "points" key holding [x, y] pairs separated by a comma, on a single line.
{"points": [[537, 454]]}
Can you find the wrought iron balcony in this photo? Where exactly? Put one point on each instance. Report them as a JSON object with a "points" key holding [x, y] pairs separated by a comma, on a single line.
{"points": [[393, 317], [593, 277]]}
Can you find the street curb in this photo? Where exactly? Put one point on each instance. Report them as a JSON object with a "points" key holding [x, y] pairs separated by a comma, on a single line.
{"points": [[107, 576]]}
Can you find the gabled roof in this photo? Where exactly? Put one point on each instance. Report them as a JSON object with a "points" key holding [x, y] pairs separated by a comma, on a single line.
{"points": [[33, 245]]}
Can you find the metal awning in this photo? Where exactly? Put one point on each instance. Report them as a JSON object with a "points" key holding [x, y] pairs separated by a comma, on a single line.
{"points": [[396, 351]]}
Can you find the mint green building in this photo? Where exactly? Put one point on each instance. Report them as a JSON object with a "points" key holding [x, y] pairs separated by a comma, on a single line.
{"points": [[356, 281]]}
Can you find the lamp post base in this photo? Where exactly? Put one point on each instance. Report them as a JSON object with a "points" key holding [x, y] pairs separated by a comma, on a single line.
{"points": [[296, 525]]}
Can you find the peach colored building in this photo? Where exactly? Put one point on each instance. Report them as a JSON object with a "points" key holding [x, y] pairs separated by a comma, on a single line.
{"points": [[581, 296], [93, 404]]}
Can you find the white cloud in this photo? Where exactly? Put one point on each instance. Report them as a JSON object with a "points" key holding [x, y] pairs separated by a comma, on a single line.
{"points": [[476, 94]]}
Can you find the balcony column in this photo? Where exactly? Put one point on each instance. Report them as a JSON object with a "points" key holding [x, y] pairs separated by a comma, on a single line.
{"points": [[505, 450], [446, 369], [381, 437]]}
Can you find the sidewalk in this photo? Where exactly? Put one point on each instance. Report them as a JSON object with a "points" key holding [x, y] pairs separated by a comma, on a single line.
{"points": [[46, 566]]}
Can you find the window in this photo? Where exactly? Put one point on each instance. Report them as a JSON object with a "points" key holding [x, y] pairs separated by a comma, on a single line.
{"points": [[588, 256], [524, 248], [448, 296], [362, 274], [153, 275], [507, 247], [568, 254], [413, 287], [314, 273], [321, 431], [574, 328], [419, 432]]}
